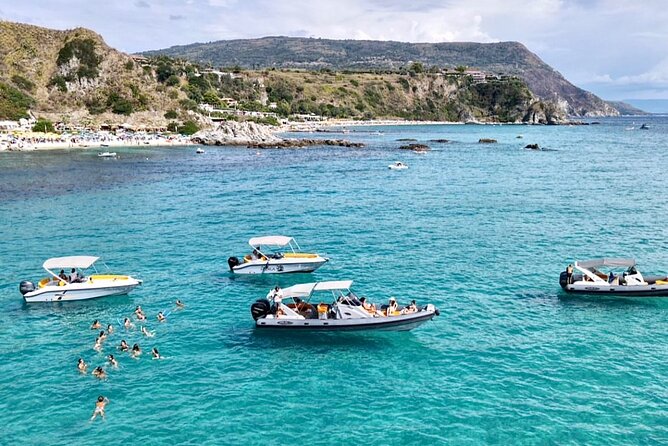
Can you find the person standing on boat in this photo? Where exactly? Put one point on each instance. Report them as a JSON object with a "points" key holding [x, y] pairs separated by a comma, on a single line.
{"points": [[277, 296], [74, 276], [569, 273], [62, 275]]}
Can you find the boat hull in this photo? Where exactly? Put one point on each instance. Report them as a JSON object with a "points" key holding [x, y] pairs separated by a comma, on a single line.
{"points": [[280, 266], [619, 290], [393, 323], [73, 293]]}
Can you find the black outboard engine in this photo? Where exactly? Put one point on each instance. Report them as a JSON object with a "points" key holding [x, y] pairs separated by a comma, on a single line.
{"points": [[563, 279], [26, 287], [232, 262], [260, 308]]}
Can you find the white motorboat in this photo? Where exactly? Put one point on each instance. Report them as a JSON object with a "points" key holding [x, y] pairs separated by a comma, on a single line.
{"points": [[398, 165], [76, 285], [199, 151], [275, 254], [107, 155], [331, 306], [590, 280]]}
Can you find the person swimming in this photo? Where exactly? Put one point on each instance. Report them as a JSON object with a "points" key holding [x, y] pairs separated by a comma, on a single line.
{"points": [[98, 344], [140, 313], [146, 333], [136, 350], [161, 317], [155, 353], [99, 407], [102, 336], [180, 304], [124, 347], [128, 324], [82, 366], [112, 361], [99, 373], [110, 329], [96, 325]]}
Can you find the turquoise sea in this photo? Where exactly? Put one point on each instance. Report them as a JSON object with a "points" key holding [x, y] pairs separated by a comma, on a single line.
{"points": [[482, 231]]}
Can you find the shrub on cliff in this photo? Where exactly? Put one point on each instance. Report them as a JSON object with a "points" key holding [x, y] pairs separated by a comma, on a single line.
{"points": [[14, 104], [43, 125]]}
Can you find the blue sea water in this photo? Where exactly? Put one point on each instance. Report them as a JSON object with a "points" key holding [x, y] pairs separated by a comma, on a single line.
{"points": [[480, 230]]}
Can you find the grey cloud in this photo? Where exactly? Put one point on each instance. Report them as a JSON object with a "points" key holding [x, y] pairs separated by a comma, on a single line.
{"points": [[176, 17], [142, 4]]}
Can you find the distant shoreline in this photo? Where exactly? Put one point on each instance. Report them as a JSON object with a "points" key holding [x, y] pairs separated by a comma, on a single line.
{"points": [[29, 146]]}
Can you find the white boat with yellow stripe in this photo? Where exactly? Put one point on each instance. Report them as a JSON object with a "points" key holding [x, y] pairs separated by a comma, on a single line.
{"points": [[76, 283], [275, 254]]}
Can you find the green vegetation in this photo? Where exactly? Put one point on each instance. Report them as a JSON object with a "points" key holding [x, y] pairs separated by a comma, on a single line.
{"points": [[14, 104], [188, 128], [84, 51], [171, 114], [23, 83], [43, 125]]}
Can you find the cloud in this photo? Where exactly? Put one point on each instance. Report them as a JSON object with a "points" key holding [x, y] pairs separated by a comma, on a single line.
{"points": [[176, 17], [142, 4]]}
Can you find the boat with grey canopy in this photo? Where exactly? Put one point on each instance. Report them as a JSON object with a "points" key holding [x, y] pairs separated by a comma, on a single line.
{"points": [[612, 276], [332, 306]]}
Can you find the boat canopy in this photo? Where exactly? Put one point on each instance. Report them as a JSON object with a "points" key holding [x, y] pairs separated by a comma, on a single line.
{"points": [[626, 263], [70, 262], [271, 240], [306, 289]]}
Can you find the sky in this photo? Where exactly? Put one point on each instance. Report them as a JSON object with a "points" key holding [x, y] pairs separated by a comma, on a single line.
{"points": [[617, 49]]}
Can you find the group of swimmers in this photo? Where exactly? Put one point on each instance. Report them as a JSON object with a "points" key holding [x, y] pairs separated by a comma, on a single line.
{"points": [[99, 372]]}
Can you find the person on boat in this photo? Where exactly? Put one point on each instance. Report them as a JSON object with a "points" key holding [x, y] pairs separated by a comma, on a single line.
{"points": [[124, 347], [112, 361], [99, 407], [411, 308], [99, 373], [161, 317], [256, 254], [74, 277], [128, 324], [96, 325], [371, 308], [110, 329], [136, 351], [180, 304], [569, 273], [62, 274], [82, 366], [155, 353], [611, 277], [392, 307]]}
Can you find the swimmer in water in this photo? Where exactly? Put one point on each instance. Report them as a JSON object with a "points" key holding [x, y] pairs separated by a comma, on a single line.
{"points": [[99, 373], [99, 407], [141, 317], [124, 346], [180, 304], [98, 344], [146, 333], [103, 336], [128, 324], [155, 353], [110, 329], [161, 317], [82, 366], [136, 351], [112, 361], [96, 325]]}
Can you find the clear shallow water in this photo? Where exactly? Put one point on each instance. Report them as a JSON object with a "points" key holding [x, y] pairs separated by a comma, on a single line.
{"points": [[480, 230]]}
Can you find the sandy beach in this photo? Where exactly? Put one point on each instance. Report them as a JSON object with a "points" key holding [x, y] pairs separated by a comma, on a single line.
{"points": [[95, 141]]}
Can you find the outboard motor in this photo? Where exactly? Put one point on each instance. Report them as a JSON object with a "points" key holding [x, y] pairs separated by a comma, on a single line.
{"points": [[232, 262], [26, 286], [563, 279], [260, 308]]}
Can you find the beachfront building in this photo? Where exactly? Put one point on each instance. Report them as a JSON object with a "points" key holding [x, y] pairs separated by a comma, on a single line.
{"points": [[8, 126]]}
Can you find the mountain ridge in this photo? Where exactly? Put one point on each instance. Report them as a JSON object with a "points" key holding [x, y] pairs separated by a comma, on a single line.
{"points": [[509, 58]]}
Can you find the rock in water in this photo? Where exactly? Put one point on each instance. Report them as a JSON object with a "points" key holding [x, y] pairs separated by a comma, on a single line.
{"points": [[415, 146], [486, 141], [532, 146]]}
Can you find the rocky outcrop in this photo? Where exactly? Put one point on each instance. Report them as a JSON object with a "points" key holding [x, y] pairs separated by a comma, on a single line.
{"points": [[415, 147], [487, 141], [259, 136]]}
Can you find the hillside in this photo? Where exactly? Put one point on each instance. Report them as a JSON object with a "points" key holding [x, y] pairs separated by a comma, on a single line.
{"points": [[73, 76], [510, 58]]}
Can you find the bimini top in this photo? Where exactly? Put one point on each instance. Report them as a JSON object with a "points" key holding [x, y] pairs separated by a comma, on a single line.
{"points": [[70, 262], [306, 289], [271, 240], [627, 263]]}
